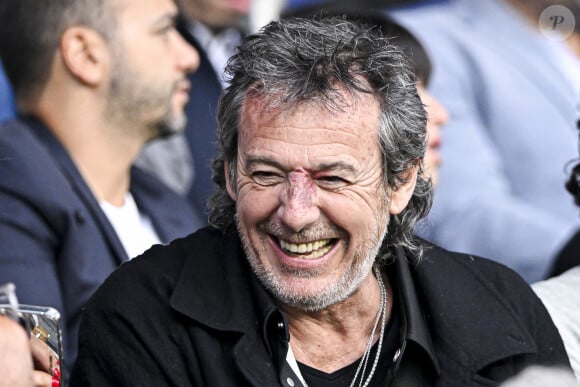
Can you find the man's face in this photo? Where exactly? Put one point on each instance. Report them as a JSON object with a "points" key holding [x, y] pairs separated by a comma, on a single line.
{"points": [[312, 210], [150, 60], [216, 13], [437, 116]]}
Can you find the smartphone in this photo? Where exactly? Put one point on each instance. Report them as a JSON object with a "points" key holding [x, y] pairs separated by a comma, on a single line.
{"points": [[43, 322]]}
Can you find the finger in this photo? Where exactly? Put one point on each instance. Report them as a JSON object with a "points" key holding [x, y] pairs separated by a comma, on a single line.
{"points": [[43, 379], [44, 359]]}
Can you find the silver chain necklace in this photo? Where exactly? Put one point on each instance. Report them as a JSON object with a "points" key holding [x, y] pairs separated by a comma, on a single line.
{"points": [[381, 317]]}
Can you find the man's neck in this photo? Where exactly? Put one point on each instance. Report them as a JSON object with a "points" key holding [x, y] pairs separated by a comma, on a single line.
{"points": [[337, 336], [101, 151]]}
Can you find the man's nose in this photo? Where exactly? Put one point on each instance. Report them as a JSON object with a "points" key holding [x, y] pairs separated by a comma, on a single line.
{"points": [[438, 114], [299, 203], [187, 56]]}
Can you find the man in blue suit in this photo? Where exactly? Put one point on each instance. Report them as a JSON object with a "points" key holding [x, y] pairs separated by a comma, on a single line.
{"points": [[214, 28], [94, 83], [513, 97]]}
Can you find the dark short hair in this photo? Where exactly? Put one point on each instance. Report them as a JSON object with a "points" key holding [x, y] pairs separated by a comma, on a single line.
{"points": [[296, 61], [30, 32]]}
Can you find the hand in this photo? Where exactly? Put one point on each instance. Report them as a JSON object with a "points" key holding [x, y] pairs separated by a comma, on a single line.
{"points": [[15, 359], [24, 361], [46, 367]]}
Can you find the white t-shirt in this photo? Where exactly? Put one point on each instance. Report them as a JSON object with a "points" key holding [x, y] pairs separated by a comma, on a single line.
{"points": [[133, 228], [561, 296]]}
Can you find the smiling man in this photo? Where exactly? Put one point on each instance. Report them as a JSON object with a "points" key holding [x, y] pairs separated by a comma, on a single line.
{"points": [[309, 273], [95, 81]]}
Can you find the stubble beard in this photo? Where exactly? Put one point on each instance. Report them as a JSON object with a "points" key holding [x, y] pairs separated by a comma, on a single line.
{"points": [[131, 102], [364, 258], [170, 124]]}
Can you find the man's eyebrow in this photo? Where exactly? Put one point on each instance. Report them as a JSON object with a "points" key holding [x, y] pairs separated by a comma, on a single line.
{"points": [[333, 166], [251, 161], [336, 166], [169, 18]]}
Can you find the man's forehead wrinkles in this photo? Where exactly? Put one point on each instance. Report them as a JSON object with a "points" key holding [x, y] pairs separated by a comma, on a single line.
{"points": [[311, 137], [314, 166], [310, 125]]}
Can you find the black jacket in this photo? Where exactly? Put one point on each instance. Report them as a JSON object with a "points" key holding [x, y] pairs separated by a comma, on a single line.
{"points": [[193, 314]]}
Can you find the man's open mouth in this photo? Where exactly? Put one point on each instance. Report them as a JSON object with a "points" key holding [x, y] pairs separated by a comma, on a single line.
{"points": [[310, 250]]}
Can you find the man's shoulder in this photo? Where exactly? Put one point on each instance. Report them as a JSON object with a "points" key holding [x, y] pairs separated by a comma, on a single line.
{"points": [[17, 141], [466, 278], [172, 256], [469, 297], [469, 270], [470, 286], [435, 254], [27, 166], [156, 272]]}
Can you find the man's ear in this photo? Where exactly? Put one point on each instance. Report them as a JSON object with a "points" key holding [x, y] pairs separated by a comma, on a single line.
{"points": [[400, 197], [229, 187], [85, 54]]}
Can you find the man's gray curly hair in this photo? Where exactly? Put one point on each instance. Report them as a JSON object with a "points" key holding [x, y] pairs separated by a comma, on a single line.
{"points": [[311, 60]]}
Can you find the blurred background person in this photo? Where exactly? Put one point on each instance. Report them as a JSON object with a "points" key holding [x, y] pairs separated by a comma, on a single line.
{"points": [[214, 28], [512, 94], [561, 297], [561, 294], [298, 5], [537, 376], [93, 83], [218, 26]]}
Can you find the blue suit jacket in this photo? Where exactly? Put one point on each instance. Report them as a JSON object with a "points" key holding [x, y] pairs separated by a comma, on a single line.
{"points": [[512, 131], [56, 244], [201, 127]]}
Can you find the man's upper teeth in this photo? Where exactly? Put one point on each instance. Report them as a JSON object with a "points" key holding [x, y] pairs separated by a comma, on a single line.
{"points": [[302, 248]]}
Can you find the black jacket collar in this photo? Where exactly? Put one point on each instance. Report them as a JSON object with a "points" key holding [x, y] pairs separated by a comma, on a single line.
{"points": [[219, 289]]}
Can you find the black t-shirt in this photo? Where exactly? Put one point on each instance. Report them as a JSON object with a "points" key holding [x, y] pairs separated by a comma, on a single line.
{"points": [[344, 376]]}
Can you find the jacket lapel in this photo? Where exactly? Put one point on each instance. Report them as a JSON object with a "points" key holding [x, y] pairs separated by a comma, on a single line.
{"points": [[78, 185], [166, 211], [232, 298]]}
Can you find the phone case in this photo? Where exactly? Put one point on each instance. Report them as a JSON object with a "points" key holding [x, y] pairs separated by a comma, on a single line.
{"points": [[42, 322]]}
